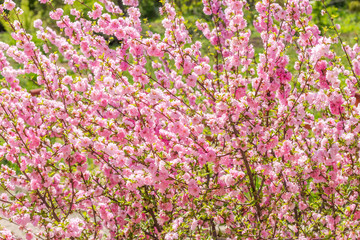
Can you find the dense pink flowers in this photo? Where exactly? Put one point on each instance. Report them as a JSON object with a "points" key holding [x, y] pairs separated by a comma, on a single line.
{"points": [[159, 137], [9, 5]]}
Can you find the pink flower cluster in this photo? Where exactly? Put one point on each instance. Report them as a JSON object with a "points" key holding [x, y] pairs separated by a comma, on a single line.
{"points": [[160, 138]]}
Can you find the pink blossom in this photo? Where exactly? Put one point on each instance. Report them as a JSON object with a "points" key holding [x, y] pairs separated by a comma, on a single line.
{"points": [[38, 23], [171, 236], [74, 227], [9, 5], [131, 2], [56, 15]]}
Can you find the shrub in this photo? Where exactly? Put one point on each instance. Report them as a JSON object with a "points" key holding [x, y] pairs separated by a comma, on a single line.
{"points": [[158, 138]]}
